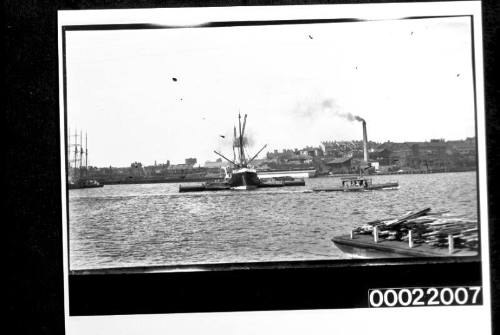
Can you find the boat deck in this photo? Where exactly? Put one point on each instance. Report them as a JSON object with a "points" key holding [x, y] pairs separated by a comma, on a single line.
{"points": [[222, 186], [375, 187], [364, 246]]}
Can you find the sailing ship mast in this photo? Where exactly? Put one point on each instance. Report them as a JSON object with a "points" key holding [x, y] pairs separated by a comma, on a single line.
{"points": [[78, 174], [239, 142], [86, 155], [76, 150], [81, 154], [68, 149], [234, 142], [78, 164]]}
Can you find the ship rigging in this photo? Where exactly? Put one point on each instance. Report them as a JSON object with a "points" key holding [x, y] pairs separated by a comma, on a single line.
{"points": [[242, 175]]}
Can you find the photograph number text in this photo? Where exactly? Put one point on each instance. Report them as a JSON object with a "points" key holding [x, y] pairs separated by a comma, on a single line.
{"points": [[425, 296]]}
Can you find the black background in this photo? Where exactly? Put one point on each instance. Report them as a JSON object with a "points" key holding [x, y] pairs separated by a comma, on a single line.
{"points": [[33, 202], [311, 285]]}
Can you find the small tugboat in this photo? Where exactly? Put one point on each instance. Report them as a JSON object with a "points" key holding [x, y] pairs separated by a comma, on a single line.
{"points": [[358, 184]]}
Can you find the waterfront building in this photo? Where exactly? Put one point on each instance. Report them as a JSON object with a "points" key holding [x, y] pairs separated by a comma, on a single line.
{"points": [[190, 161], [340, 165], [391, 153]]}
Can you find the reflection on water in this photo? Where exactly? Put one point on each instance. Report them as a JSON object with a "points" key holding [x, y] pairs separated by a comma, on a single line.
{"points": [[153, 224]]}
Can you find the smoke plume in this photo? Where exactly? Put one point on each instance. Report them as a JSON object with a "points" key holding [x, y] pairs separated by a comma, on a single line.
{"points": [[248, 140], [331, 106], [328, 107]]}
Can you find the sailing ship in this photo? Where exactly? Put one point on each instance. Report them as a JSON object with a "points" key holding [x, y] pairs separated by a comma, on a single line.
{"points": [[241, 175], [77, 171]]}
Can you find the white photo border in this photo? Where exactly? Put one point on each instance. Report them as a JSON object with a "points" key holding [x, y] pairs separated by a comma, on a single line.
{"points": [[182, 17]]}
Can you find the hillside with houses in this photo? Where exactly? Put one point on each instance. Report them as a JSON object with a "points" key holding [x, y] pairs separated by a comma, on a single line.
{"points": [[330, 157]]}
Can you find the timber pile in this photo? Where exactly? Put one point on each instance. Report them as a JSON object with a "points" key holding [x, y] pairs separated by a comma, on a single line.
{"points": [[426, 227]]}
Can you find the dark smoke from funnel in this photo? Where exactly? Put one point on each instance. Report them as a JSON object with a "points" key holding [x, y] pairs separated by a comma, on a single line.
{"points": [[330, 107], [330, 104], [247, 141]]}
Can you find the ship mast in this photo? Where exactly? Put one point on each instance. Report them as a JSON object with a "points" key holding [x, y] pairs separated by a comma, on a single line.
{"points": [[81, 153], [244, 162], [234, 144], [86, 155], [76, 149], [68, 149], [240, 140]]}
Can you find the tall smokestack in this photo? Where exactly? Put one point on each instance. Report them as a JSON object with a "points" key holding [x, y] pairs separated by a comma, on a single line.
{"points": [[365, 143]]}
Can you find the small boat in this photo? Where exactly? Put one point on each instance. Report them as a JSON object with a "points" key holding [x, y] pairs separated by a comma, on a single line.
{"points": [[84, 183], [358, 184]]}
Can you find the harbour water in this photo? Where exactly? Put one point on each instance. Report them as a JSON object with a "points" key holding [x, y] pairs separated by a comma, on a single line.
{"points": [[154, 224]]}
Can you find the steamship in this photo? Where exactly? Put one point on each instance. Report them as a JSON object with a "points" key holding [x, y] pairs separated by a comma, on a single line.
{"points": [[241, 175]]}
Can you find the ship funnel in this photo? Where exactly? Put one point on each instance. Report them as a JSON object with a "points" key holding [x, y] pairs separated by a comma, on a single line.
{"points": [[365, 143]]}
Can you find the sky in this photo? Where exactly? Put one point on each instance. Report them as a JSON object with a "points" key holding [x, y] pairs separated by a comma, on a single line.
{"points": [[169, 94]]}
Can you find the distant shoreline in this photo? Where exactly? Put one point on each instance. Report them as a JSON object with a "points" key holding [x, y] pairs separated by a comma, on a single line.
{"points": [[194, 180], [400, 173]]}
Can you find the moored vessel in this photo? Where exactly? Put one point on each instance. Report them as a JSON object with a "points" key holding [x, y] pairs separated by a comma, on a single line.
{"points": [[78, 168], [84, 183], [241, 175], [421, 233], [358, 184]]}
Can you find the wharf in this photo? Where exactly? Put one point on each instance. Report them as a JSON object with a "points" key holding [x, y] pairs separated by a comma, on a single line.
{"points": [[363, 246], [152, 180]]}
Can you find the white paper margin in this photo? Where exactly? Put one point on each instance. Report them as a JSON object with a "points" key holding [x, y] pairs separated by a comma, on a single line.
{"points": [[420, 320]]}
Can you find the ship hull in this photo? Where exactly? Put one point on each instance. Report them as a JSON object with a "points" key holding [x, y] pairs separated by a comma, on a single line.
{"points": [[244, 187], [373, 187], [76, 187], [84, 184], [363, 246], [245, 179]]}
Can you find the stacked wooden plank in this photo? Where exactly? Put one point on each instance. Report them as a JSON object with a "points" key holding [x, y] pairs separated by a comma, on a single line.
{"points": [[426, 227]]}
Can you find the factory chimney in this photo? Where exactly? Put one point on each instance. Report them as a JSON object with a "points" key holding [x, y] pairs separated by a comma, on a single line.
{"points": [[365, 143]]}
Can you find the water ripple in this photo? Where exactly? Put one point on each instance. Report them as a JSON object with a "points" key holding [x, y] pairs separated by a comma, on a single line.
{"points": [[153, 224]]}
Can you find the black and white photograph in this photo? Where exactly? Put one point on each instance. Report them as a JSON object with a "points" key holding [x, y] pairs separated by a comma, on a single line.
{"points": [[197, 140], [271, 142]]}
